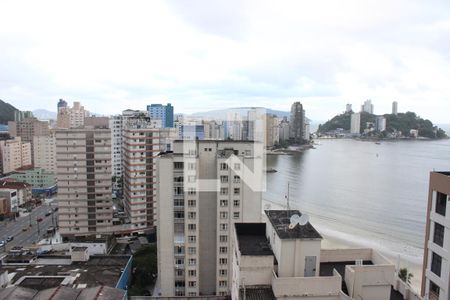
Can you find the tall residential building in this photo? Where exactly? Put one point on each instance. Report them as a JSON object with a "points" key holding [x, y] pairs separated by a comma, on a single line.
{"points": [[394, 107], [297, 122], [71, 117], [348, 107], [380, 123], [271, 130], [161, 112], [61, 104], [367, 107], [44, 152], [27, 129], [201, 193], [21, 115], [14, 154], [284, 130], [436, 261], [140, 140], [355, 123], [83, 158]]}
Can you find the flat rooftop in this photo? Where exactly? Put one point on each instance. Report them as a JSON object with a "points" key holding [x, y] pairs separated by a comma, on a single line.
{"points": [[252, 239], [280, 220], [99, 270], [62, 293], [257, 293]]}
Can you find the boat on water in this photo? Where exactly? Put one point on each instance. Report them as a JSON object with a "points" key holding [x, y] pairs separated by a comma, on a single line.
{"points": [[271, 170], [378, 143]]}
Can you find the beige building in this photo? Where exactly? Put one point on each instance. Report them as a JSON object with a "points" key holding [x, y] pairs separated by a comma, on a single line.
{"points": [[201, 193], [140, 146], [71, 117], [283, 259], [436, 264], [44, 151], [14, 154], [271, 130], [83, 158]]}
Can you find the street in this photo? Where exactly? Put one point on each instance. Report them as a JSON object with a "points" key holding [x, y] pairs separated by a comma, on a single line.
{"points": [[30, 236]]}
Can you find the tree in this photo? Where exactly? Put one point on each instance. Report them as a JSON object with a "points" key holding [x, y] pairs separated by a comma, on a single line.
{"points": [[405, 275]]}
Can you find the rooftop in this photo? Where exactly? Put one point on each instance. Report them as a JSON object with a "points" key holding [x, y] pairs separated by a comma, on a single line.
{"points": [[62, 293], [257, 293], [280, 220], [252, 239]]}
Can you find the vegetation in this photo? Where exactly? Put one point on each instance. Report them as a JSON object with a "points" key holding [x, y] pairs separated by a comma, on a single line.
{"points": [[6, 112], [402, 122], [405, 275], [145, 270]]}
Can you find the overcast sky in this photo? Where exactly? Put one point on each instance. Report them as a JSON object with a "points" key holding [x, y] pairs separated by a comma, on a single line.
{"points": [[203, 55]]}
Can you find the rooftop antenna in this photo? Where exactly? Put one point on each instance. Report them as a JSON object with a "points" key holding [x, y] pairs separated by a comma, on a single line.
{"points": [[300, 220]]}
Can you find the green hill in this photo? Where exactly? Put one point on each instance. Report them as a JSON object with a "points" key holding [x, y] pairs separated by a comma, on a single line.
{"points": [[6, 112], [403, 122]]}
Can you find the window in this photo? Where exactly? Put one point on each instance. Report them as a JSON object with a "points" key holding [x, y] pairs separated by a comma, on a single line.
{"points": [[237, 166], [192, 261], [236, 203], [192, 238], [192, 191], [222, 283], [223, 166], [438, 237], [237, 191], [192, 215], [223, 203], [223, 215], [237, 179], [191, 166], [223, 272], [436, 264], [192, 227], [223, 238], [192, 250], [224, 227], [192, 283], [191, 203], [223, 250], [223, 261], [224, 191], [434, 289], [178, 202], [441, 203], [224, 179], [178, 214], [236, 215], [191, 178], [192, 294]]}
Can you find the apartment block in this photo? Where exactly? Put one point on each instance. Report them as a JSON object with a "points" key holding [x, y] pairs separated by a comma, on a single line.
{"points": [[201, 193], [355, 124], [71, 117], [140, 146], [436, 263], [14, 154], [83, 158], [297, 122], [161, 112], [44, 152]]}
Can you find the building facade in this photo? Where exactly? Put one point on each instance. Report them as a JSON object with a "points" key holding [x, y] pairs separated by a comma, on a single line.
{"points": [[71, 117], [394, 107], [14, 154], [83, 158], [161, 112], [436, 263], [140, 140], [367, 107], [44, 152], [355, 123], [297, 122], [201, 194]]}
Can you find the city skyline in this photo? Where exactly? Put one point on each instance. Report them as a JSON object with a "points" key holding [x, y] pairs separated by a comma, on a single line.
{"points": [[221, 55]]}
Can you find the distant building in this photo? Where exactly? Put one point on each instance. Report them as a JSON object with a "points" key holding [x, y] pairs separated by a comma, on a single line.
{"points": [[21, 115], [297, 122], [11, 202], [61, 104], [394, 107], [41, 181], [192, 132], [380, 123], [71, 117], [161, 112], [83, 158], [348, 108], [355, 123], [284, 130], [367, 107], [436, 268], [44, 152], [14, 154], [271, 130], [23, 189]]}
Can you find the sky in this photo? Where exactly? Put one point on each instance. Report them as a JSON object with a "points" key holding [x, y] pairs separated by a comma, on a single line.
{"points": [[205, 55]]}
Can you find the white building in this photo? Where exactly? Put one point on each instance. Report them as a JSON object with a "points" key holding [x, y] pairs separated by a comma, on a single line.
{"points": [[367, 107], [201, 193], [380, 123], [394, 107], [14, 154], [355, 124], [436, 264], [44, 152]]}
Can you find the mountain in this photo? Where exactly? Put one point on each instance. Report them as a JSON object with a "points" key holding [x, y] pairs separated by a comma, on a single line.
{"points": [[44, 114], [6, 112], [403, 122], [220, 114]]}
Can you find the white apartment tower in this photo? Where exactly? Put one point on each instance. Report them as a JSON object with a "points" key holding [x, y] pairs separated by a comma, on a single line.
{"points": [[44, 151], [394, 107], [140, 146], [201, 194], [355, 123], [367, 107], [436, 261], [83, 158]]}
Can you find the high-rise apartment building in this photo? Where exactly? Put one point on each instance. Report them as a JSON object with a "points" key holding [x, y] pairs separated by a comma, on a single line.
{"points": [[367, 107], [161, 112], [355, 123], [436, 261], [140, 140], [71, 117], [83, 158], [201, 193], [297, 122], [14, 154], [348, 107], [272, 134], [394, 107], [44, 151], [380, 123]]}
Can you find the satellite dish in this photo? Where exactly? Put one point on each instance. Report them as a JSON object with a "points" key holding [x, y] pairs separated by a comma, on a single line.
{"points": [[300, 220], [267, 206]]}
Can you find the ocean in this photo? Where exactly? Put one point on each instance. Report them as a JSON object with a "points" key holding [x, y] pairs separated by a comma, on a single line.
{"points": [[372, 195]]}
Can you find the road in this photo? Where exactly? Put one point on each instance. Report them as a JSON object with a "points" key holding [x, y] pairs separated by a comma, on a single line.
{"points": [[30, 236]]}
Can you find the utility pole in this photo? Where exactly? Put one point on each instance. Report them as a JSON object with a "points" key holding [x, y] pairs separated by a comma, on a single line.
{"points": [[38, 229]]}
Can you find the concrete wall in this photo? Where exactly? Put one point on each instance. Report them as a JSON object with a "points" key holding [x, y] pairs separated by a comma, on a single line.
{"points": [[405, 290], [369, 282], [337, 255]]}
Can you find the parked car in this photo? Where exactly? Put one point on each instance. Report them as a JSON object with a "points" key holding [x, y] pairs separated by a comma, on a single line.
{"points": [[48, 213], [39, 219], [9, 238], [2, 243], [25, 229], [55, 209]]}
